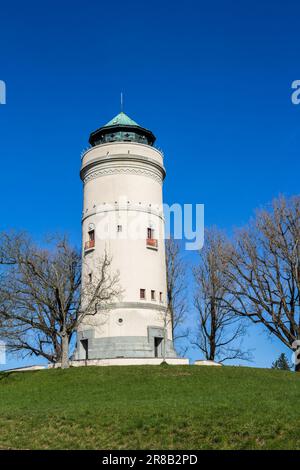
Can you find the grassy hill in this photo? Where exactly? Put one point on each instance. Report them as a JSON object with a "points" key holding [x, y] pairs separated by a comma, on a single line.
{"points": [[148, 407]]}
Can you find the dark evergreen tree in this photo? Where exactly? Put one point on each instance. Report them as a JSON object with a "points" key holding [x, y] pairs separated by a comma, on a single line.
{"points": [[281, 363]]}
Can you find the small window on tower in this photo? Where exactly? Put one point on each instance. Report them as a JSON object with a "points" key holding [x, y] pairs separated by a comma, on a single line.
{"points": [[150, 233], [160, 297], [119, 228], [91, 235], [142, 294], [153, 295], [91, 240], [90, 278]]}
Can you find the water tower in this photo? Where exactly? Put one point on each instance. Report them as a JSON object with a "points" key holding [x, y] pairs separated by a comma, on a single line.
{"points": [[123, 174]]}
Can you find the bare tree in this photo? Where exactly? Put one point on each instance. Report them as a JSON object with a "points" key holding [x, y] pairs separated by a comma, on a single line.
{"points": [[264, 274], [219, 329], [41, 295], [176, 290]]}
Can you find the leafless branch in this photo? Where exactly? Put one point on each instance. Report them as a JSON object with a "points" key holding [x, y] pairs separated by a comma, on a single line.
{"points": [[220, 330], [41, 294]]}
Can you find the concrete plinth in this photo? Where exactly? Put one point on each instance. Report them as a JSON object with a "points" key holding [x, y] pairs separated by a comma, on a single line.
{"points": [[207, 363], [142, 361]]}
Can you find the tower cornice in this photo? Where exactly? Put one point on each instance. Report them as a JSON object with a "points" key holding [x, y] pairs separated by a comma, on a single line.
{"points": [[106, 161]]}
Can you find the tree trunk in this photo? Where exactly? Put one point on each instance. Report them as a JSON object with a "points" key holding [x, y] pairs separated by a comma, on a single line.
{"points": [[213, 332], [212, 352], [164, 345], [64, 351]]}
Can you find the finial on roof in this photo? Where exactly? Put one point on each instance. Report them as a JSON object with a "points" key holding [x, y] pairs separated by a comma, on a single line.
{"points": [[122, 104]]}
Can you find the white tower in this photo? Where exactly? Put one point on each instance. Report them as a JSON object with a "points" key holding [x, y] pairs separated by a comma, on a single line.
{"points": [[122, 176]]}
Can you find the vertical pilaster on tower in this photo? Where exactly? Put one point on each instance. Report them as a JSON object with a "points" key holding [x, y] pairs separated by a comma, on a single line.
{"points": [[122, 176]]}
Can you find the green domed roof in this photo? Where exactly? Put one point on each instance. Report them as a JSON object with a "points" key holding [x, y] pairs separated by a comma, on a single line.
{"points": [[121, 119], [121, 129]]}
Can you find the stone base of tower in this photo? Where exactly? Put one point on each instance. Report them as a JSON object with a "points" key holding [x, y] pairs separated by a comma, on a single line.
{"points": [[127, 361], [153, 346], [122, 347]]}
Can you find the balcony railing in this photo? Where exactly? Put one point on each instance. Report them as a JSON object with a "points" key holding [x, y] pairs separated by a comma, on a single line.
{"points": [[152, 243], [89, 245]]}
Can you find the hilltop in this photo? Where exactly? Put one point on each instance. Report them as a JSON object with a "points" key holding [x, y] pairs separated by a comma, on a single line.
{"points": [[150, 407]]}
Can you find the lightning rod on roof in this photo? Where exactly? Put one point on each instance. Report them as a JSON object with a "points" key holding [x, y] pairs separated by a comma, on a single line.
{"points": [[122, 102]]}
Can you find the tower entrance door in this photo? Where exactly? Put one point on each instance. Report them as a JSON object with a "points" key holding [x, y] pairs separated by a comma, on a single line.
{"points": [[158, 347], [85, 345]]}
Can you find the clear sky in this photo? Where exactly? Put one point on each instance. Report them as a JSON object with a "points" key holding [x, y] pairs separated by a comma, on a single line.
{"points": [[212, 80]]}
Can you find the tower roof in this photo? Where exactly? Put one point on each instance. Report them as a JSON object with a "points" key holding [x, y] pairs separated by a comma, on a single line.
{"points": [[122, 129], [121, 119]]}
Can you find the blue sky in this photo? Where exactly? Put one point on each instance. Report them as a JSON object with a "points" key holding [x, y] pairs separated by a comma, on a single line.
{"points": [[212, 80]]}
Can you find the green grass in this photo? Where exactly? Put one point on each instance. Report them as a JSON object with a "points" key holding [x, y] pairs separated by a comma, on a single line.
{"points": [[150, 407]]}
